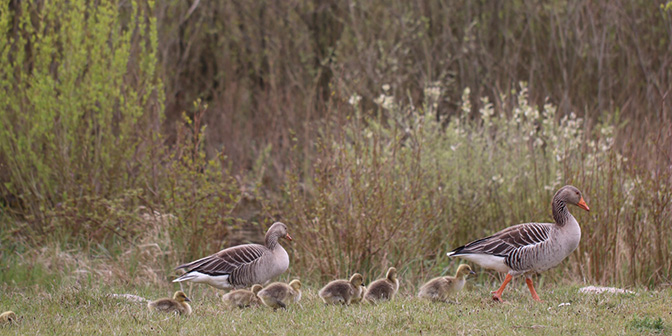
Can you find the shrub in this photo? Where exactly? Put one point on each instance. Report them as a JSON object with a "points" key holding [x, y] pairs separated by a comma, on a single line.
{"points": [[403, 187], [81, 103]]}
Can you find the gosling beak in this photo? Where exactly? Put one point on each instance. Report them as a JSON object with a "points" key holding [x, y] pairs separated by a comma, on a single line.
{"points": [[472, 272], [187, 299], [582, 204], [288, 237]]}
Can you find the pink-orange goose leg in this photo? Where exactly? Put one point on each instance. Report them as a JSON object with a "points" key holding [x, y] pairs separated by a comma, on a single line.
{"points": [[498, 293], [530, 285]]}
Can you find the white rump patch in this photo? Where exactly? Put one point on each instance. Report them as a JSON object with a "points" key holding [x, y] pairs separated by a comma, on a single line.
{"points": [[486, 261], [217, 281]]}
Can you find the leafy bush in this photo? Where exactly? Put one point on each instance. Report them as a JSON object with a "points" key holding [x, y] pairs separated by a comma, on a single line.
{"points": [[81, 146], [81, 102]]}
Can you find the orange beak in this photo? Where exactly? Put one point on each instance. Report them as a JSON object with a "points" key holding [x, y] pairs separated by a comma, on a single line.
{"points": [[288, 237], [582, 204]]}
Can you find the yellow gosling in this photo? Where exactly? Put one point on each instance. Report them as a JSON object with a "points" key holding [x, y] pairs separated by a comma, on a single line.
{"points": [[279, 295], [242, 298], [343, 291], [8, 317], [441, 288], [358, 299], [178, 304], [383, 289]]}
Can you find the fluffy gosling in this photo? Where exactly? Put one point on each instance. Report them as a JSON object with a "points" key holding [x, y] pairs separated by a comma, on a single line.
{"points": [[343, 291], [383, 289], [441, 288], [358, 299], [178, 304], [279, 295], [8, 317], [242, 298]]}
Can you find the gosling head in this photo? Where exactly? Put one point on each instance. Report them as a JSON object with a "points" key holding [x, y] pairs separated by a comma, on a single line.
{"points": [[464, 271], [295, 284], [391, 274], [179, 296], [356, 280], [8, 317], [256, 288]]}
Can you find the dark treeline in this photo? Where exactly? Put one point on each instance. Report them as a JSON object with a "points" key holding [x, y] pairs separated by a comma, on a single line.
{"points": [[268, 69]]}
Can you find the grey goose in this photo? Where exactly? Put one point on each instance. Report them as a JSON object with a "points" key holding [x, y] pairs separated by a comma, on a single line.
{"points": [[529, 248], [243, 265]]}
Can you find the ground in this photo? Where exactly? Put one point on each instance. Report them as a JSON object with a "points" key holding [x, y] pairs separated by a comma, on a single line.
{"points": [[84, 309]]}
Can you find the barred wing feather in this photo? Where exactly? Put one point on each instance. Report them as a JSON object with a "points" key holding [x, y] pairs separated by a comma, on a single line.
{"points": [[503, 243], [226, 261]]}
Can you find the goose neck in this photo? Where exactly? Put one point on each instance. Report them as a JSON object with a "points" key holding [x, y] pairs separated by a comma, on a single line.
{"points": [[560, 213], [271, 241]]}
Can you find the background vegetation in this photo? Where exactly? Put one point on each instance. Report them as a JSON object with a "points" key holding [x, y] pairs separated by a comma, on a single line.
{"points": [[138, 135]]}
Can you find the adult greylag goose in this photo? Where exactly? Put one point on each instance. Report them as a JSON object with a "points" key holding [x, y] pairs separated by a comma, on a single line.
{"points": [[530, 247], [178, 304], [242, 265], [242, 298], [279, 295], [343, 291], [8, 317], [441, 288], [383, 289]]}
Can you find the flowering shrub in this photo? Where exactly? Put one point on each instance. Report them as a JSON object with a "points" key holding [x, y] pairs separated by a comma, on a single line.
{"points": [[403, 187]]}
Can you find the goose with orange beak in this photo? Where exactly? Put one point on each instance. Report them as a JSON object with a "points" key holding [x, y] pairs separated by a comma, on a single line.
{"points": [[529, 248]]}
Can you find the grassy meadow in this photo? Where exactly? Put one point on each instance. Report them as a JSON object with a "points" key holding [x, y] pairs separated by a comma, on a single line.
{"points": [[139, 135], [83, 309]]}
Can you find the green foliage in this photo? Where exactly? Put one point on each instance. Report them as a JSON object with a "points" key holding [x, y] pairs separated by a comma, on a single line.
{"points": [[16, 272], [80, 101], [646, 324], [198, 191]]}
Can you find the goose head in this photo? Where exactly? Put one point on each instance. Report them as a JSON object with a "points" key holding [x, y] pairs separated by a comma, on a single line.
{"points": [[276, 231], [391, 274], [255, 289], [179, 296], [572, 195], [356, 280], [464, 271]]}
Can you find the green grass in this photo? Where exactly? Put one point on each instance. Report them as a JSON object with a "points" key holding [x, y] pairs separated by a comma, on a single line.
{"points": [[88, 310]]}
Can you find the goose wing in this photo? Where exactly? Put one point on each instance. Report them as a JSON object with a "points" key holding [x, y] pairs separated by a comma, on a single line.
{"points": [[226, 261], [508, 240]]}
